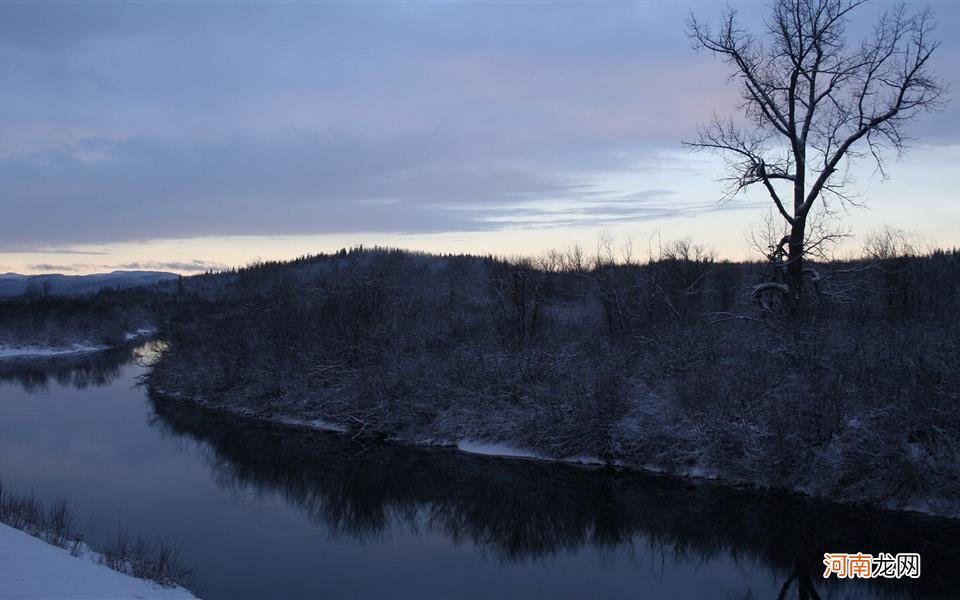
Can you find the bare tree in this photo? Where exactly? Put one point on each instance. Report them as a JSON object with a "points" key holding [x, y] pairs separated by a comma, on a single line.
{"points": [[813, 103]]}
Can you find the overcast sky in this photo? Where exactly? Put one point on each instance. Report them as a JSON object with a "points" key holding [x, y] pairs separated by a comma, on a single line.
{"points": [[188, 136]]}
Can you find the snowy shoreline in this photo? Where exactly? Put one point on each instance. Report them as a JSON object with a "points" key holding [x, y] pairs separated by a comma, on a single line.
{"points": [[21, 352], [16, 352], [30, 567], [505, 450]]}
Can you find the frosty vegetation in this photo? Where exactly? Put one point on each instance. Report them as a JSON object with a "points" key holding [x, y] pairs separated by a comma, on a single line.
{"points": [[670, 363], [160, 562]]}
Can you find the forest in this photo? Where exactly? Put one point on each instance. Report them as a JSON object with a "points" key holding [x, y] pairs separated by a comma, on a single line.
{"points": [[104, 318], [679, 363]]}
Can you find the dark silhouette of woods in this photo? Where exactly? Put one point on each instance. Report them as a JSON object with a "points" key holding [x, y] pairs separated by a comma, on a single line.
{"points": [[665, 364], [814, 102], [102, 318]]}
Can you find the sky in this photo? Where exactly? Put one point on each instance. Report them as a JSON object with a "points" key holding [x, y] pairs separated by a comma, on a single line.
{"points": [[195, 136]]}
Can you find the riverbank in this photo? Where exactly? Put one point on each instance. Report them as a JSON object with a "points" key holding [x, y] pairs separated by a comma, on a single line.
{"points": [[11, 351], [513, 451], [46, 573], [32, 568], [15, 351]]}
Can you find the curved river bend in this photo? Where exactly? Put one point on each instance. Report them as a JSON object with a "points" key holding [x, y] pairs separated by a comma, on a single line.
{"points": [[261, 511]]}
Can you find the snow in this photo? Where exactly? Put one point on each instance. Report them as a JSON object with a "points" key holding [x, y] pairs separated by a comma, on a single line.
{"points": [[507, 451], [39, 351], [318, 424], [143, 331], [496, 449], [590, 460], [31, 568]]}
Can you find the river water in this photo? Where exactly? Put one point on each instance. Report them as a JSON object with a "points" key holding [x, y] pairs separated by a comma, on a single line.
{"points": [[263, 511]]}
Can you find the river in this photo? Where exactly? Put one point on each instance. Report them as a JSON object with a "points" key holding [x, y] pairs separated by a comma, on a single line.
{"points": [[265, 511]]}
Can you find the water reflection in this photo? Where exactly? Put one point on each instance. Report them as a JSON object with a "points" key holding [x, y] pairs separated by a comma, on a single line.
{"points": [[89, 369], [523, 511]]}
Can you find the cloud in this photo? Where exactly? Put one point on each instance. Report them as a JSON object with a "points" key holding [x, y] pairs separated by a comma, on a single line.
{"points": [[189, 266], [34, 249], [142, 121], [56, 267], [304, 182]]}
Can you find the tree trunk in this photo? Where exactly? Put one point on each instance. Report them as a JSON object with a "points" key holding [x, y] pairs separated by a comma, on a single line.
{"points": [[797, 228], [795, 262]]}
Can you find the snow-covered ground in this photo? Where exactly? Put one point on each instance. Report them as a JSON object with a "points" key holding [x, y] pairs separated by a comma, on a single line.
{"points": [[507, 451], [143, 331], [497, 449], [37, 351], [32, 568], [7, 351]]}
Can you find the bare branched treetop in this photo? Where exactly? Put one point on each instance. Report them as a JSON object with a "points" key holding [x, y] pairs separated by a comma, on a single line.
{"points": [[815, 100]]}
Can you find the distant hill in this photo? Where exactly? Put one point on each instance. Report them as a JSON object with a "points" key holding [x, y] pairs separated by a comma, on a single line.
{"points": [[55, 284]]}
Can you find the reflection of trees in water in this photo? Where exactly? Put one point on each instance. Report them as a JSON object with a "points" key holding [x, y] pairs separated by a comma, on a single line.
{"points": [[520, 510], [800, 583], [91, 369]]}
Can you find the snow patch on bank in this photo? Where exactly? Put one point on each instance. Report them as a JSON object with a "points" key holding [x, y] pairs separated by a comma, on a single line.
{"points": [[497, 449], [32, 568], [11, 351], [142, 332], [507, 451], [318, 424], [7, 351]]}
